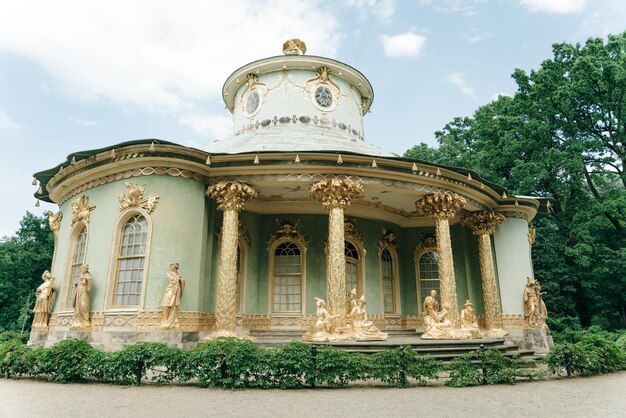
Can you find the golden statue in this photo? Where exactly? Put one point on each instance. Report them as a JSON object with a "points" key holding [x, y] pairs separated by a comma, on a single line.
{"points": [[437, 325], [171, 298], [324, 325], [531, 303], [431, 311], [54, 220], [352, 306], [81, 303], [541, 313], [43, 303], [468, 320], [364, 329]]}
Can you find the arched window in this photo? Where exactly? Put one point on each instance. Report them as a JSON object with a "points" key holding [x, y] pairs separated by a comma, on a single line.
{"points": [[287, 292], [130, 262], [428, 274], [389, 293], [352, 268], [78, 258]]}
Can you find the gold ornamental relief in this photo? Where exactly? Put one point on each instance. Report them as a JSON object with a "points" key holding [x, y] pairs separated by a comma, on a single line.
{"points": [[482, 222], [54, 220], [294, 47], [231, 195], [336, 193], [242, 234], [81, 209], [388, 240], [426, 243], [441, 205], [288, 230], [136, 199]]}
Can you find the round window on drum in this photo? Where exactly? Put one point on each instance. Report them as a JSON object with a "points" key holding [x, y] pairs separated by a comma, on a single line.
{"points": [[252, 103]]}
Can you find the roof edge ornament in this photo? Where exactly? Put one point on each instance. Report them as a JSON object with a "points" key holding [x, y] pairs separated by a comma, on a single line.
{"points": [[294, 47]]}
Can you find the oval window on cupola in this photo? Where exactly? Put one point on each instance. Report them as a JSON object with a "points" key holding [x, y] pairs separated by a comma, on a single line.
{"points": [[252, 103]]}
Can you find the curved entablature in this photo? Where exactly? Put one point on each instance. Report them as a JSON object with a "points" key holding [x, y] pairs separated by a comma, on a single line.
{"points": [[391, 184], [297, 62]]}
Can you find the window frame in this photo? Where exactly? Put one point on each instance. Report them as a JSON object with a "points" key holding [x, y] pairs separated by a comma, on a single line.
{"points": [[77, 230], [418, 279], [395, 278], [118, 234], [272, 263]]}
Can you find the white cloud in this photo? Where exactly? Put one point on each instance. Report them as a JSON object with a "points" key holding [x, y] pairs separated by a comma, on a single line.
{"points": [[6, 123], [608, 17], [82, 122], [496, 96], [554, 6], [458, 80], [159, 56], [404, 45], [466, 7], [383, 10], [209, 125]]}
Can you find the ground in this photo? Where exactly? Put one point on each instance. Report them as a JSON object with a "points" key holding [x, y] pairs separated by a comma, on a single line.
{"points": [[600, 396]]}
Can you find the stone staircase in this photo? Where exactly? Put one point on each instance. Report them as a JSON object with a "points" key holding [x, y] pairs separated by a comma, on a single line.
{"points": [[444, 350]]}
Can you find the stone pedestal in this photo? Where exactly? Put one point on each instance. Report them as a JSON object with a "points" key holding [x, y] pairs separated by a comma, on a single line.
{"points": [[537, 339]]}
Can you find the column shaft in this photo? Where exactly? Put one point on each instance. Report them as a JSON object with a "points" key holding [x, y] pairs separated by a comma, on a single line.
{"points": [[226, 279], [446, 269], [493, 318], [337, 262]]}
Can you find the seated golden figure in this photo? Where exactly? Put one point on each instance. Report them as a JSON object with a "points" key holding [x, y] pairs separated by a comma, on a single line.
{"points": [[468, 320], [364, 329]]}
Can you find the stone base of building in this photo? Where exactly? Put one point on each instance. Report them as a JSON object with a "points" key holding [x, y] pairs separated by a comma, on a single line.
{"points": [[117, 339], [537, 339]]}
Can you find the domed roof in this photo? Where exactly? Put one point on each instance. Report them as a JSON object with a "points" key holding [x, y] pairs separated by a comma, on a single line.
{"points": [[276, 106]]}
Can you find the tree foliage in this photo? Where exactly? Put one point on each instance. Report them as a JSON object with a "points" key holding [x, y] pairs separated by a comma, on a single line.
{"points": [[561, 135], [23, 258]]}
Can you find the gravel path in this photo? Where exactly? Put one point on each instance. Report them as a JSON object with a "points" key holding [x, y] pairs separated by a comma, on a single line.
{"points": [[601, 396]]}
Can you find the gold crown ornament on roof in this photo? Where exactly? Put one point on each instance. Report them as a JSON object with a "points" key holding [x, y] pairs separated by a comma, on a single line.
{"points": [[294, 47]]}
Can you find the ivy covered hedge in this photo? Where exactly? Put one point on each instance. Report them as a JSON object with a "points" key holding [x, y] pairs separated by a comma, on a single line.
{"points": [[233, 363]]}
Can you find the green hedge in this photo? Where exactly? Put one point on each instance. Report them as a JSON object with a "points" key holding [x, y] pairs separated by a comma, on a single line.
{"points": [[233, 363], [588, 354]]}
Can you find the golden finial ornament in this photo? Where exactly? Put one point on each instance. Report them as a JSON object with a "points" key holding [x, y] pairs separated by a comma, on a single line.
{"points": [[294, 47]]}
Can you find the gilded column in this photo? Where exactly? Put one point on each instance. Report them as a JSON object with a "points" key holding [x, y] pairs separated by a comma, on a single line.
{"points": [[231, 198], [442, 208], [483, 225], [336, 195]]}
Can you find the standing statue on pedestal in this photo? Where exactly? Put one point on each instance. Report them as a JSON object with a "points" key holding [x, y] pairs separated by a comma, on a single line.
{"points": [[171, 298], [468, 320], [542, 311], [531, 303], [364, 329], [81, 303], [43, 303], [324, 326]]}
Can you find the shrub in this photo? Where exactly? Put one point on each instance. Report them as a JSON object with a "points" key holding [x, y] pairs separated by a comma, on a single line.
{"points": [[12, 363], [601, 355], [11, 335], [337, 367], [486, 367], [289, 366], [592, 354], [155, 361], [395, 366], [66, 360], [226, 362]]}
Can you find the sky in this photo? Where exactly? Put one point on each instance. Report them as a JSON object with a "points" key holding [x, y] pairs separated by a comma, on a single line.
{"points": [[77, 75]]}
